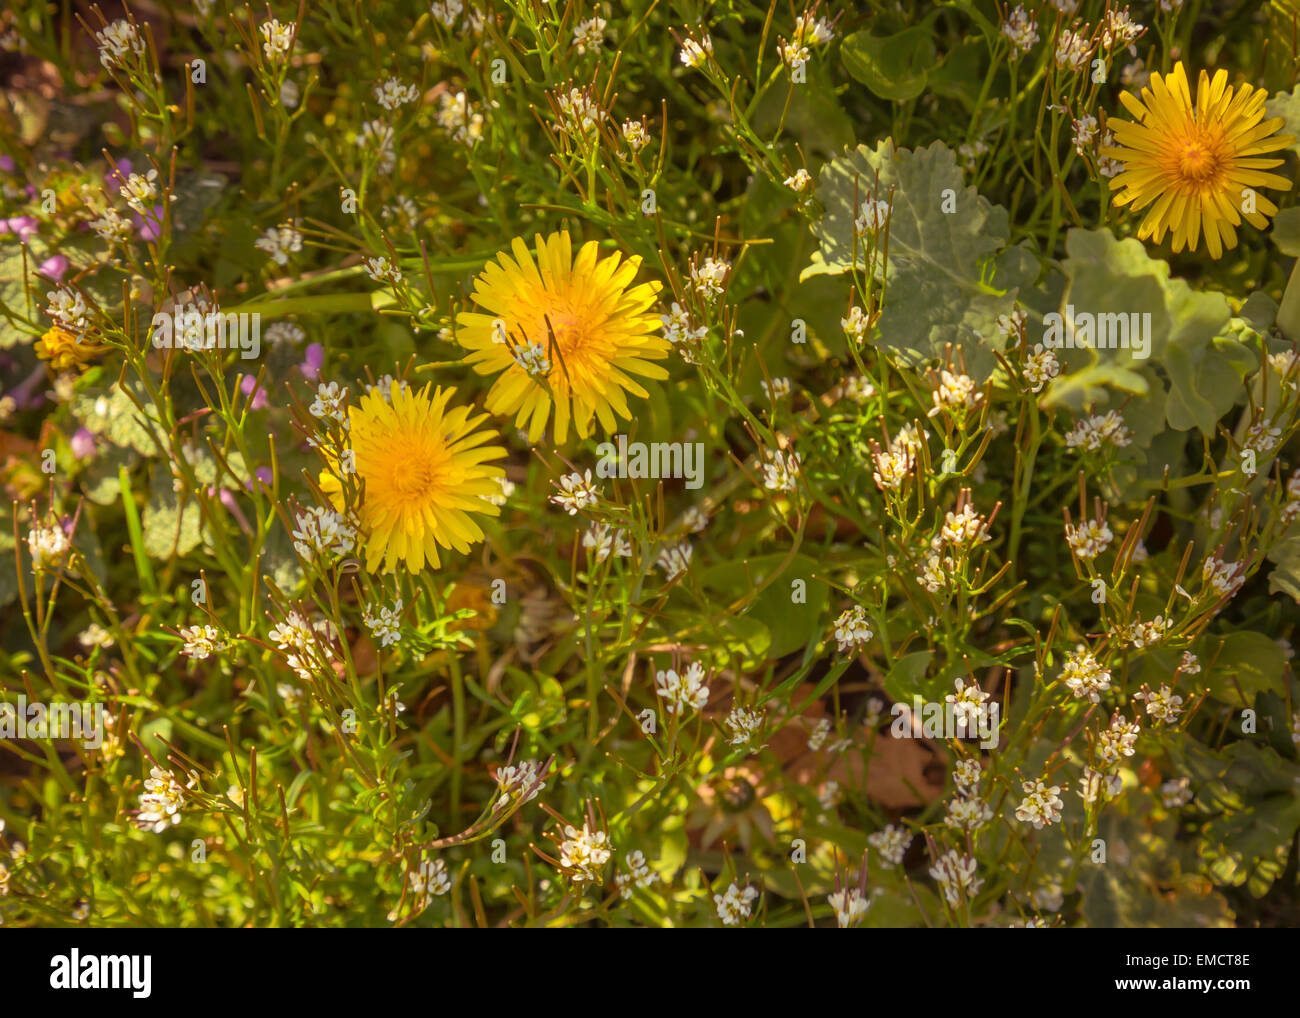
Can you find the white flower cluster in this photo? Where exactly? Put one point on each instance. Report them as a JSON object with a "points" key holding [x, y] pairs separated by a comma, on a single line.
{"points": [[850, 905], [1093, 432], [675, 560], [48, 545], [1089, 538], [584, 853], [735, 905], [1021, 28], [891, 842], [781, 471], [852, 629], [1084, 676], [694, 54], [321, 530], [577, 491], [685, 692], [602, 540], [743, 723], [520, 783], [160, 802], [955, 873], [393, 93], [385, 624], [460, 118], [117, 41], [201, 642], [638, 874], [280, 242], [1041, 805]]}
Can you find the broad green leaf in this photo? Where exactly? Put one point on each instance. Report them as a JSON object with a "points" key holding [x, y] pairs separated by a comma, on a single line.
{"points": [[939, 289], [894, 67]]}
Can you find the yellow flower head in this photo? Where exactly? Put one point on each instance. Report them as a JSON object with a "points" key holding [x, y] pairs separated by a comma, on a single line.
{"points": [[65, 351], [1191, 162], [424, 470], [563, 330]]}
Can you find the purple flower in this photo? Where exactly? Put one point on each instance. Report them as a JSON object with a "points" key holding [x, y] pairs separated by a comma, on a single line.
{"points": [[249, 383], [262, 474], [54, 267], [315, 360], [23, 226], [6, 163], [83, 444], [149, 226]]}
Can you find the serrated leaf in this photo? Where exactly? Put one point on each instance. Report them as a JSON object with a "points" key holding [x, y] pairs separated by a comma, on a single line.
{"points": [[111, 413], [1107, 276], [938, 291]]}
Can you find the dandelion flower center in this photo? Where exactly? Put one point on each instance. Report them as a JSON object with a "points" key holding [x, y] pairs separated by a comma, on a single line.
{"points": [[1198, 161]]}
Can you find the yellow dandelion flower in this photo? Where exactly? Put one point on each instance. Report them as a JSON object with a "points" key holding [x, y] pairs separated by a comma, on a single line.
{"points": [[424, 470], [1192, 162], [65, 351], [565, 331]]}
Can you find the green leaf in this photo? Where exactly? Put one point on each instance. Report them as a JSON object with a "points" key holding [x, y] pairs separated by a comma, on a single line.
{"points": [[108, 411], [1286, 231], [169, 529], [1245, 660], [894, 67], [1107, 276], [939, 289]]}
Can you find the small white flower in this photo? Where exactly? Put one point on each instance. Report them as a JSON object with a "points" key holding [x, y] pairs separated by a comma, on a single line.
{"points": [[446, 11], [329, 402], [635, 135], [710, 278], [1084, 677], [429, 880], [872, 217], [638, 874], [735, 905], [1119, 740], [378, 138], [798, 181], [584, 852], [781, 471], [95, 635], [1072, 49], [580, 113], [1089, 539], [968, 703], [279, 39], [202, 642], [852, 629], [684, 692], [778, 389], [117, 41], [1041, 805], [817, 737], [849, 905], [381, 270], [1163, 705], [280, 241], [892, 843], [577, 491], [674, 560], [968, 814], [694, 54], [460, 118], [1176, 792], [1119, 29], [1041, 366], [1022, 29], [112, 227], [385, 623], [955, 873], [160, 802], [589, 34], [393, 93], [743, 724], [520, 783], [48, 545]]}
